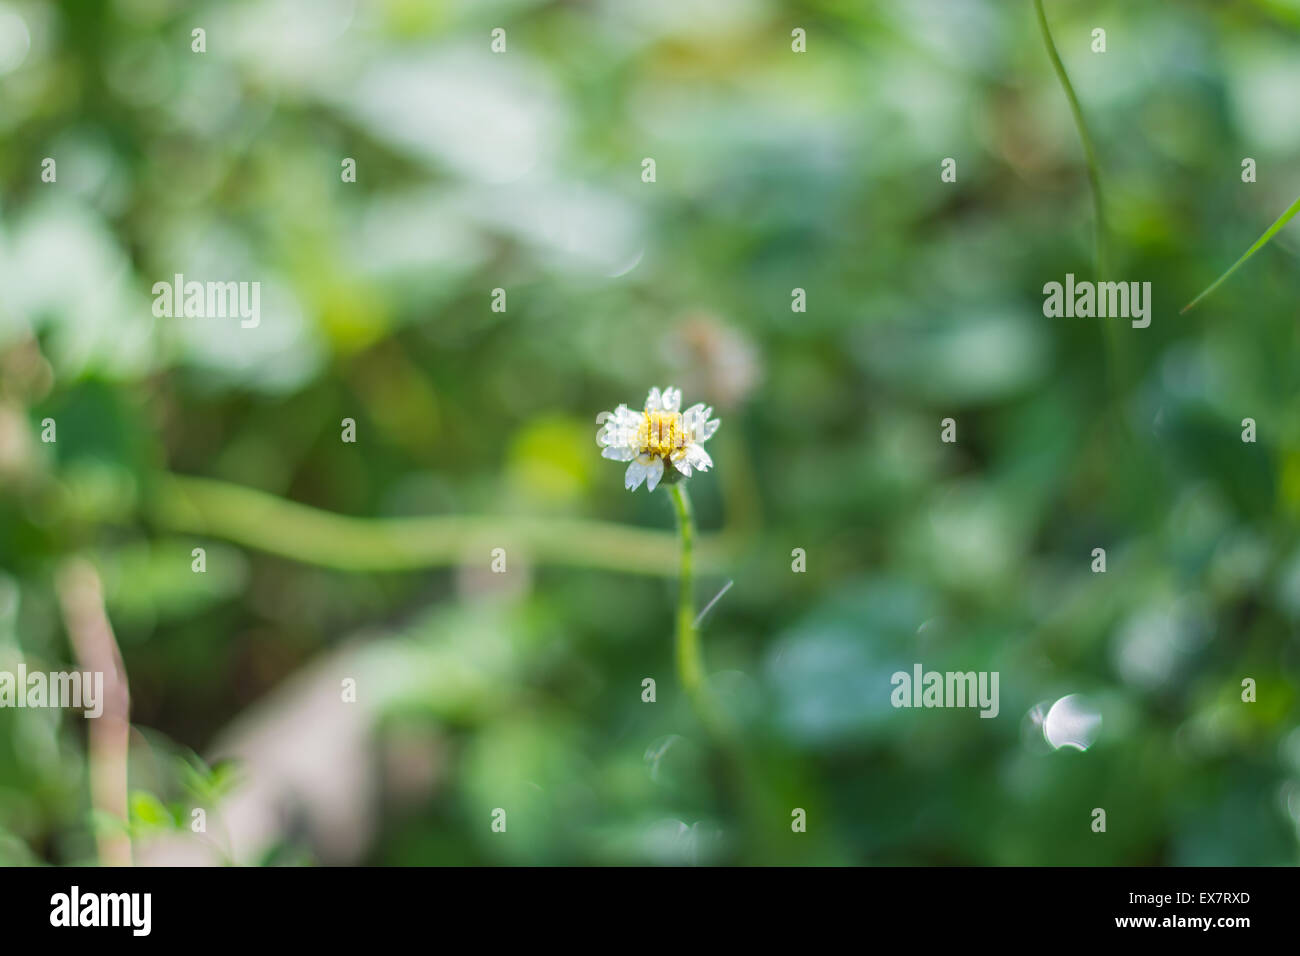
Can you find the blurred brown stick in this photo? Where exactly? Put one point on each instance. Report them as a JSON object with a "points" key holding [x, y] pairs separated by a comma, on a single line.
{"points": [[82, 600]]}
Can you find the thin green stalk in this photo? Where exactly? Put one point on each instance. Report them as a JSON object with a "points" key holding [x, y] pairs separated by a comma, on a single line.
{"points": [[745, 787], [1089, 153], [690, 670]]}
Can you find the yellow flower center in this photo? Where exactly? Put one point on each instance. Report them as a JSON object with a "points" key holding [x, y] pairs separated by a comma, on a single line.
{"points": [[660, 434]]}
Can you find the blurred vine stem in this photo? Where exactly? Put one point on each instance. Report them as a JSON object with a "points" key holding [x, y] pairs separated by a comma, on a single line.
{"points": [[273, 525]]}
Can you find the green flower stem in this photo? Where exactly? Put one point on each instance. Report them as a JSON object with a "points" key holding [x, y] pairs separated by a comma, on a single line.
{"points": [[746, 787], [690, 670]]}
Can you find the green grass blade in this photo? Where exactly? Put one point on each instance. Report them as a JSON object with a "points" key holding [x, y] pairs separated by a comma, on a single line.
{"points": [[1269, 234], [1116, 368], [1089, 152]]}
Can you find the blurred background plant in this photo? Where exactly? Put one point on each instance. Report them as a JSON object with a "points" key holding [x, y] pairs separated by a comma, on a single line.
{"points": [[776, 170]]}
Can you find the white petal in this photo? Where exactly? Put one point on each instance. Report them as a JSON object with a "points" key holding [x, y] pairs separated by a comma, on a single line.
{"points": [[672, 399], [698, 458], [693, 417], [614, 435], [653, 402], [681, 464], [618, 453], [636, 473], [705, 431], [619, 429], [656, 472]]}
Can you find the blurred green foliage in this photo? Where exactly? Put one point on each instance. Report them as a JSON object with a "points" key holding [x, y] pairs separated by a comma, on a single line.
{"points": [[775, 171]]}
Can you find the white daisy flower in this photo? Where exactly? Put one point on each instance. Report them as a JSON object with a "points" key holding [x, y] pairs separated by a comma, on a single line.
{"points": [[662, 436]]}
